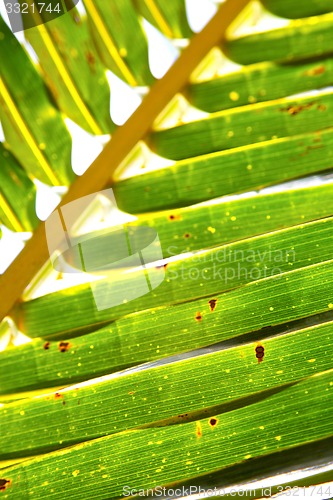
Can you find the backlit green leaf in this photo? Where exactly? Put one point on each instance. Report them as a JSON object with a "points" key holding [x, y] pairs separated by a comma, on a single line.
{"points": [[33, 127], [295, 9], [302, 39], [168, 17], [73, 71], [17, 195], [120, 39], [245, 125]]}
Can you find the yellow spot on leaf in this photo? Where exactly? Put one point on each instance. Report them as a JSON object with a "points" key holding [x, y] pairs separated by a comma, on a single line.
{"points": [[198, 429], [234, 96]]}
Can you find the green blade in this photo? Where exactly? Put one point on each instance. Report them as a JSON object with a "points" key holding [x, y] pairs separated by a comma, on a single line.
{"points": [[233, 171], [72, 70], [272, 474], [173, 453], [282, 299], [294, 9], [220, 269], [301, 39], [236, 373], [17, 195], [120, 40], [168, 17], [245, 125], [201, 226], [217, 271], [33, 127], [258, 83]]}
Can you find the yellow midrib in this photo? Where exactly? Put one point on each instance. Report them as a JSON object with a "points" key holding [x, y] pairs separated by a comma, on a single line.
{"points": [[160, 21], [9, 213], [26, 134], [109, 43]]}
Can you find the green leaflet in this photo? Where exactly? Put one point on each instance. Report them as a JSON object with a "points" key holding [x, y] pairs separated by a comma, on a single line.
{"points": [[265, 468], [33, 127], [295, 9], [232, 171], [120, 39], [255, 283], [113, 405], [199, 227], [130, 339], [245, 125], [73, 71], [302, 39], [40, 317], [258, 83], [295, 415], [17, 195], [168, 17]]}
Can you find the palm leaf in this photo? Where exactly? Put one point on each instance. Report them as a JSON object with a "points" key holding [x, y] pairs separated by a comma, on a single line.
{"points": [[120, 40], [294, 10], [76, 78], [221, 374], [18, 195], [302, 39], [33, 127]]}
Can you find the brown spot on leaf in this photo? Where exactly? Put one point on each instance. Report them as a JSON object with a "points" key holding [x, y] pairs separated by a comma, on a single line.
{"points": [[213, 421], [64, 346], [174, 217], [322, 107], [131, 393], [294, 110], [57, 395], [198, 429], [198, 316], [163, 265], [212, 304], [260, 352], [315, 71], [4, 484], [46, 345], [183, 415], [187, 235], [91, 60]]}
